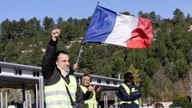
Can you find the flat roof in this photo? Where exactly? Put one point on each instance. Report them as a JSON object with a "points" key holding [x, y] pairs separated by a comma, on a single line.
{"points": [[10, 79], [17, 82]]}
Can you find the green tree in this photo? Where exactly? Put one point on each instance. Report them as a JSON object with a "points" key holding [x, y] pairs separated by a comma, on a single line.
{"points": [[182, 67], [161, 86], [69, 32], [10, 52], [183, 101], [33, 27], [178, 16], [88, 57], [119, 64], [151, 66], [171, 72], [48, 24]]}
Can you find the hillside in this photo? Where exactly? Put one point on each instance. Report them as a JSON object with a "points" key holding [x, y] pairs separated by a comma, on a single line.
{"points": [[163, 69]]}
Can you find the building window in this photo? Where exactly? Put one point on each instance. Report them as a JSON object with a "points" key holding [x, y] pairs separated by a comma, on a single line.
{"points": [[98, 81], [107, 82], [115, 83], [18, 72], [35, 74]]}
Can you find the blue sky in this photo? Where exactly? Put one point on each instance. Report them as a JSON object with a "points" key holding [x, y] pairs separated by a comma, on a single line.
{"points": [[27, 9]]}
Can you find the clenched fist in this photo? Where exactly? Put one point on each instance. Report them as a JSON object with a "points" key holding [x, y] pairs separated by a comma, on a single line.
{"points": [[55, 33]]}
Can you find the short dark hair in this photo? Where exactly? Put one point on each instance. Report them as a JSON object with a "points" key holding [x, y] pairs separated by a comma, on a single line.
{"points": [[86, 75], [60, 52], [128, 75]]}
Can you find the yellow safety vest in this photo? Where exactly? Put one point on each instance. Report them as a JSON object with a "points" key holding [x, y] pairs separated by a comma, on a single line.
{"points": [[128, 91], [11, 106], [56, 95], [91, 102]]}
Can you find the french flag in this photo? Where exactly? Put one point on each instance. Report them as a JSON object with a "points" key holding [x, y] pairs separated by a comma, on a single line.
{"points": [[109, 27]]}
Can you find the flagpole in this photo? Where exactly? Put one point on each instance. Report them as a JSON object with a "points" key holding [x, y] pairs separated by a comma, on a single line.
{"points": [[80, 51]]}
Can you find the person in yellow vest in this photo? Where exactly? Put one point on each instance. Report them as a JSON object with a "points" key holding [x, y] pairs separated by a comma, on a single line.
{"points": [[92, 94], [12, 105], [61, 89], [128, 92]]}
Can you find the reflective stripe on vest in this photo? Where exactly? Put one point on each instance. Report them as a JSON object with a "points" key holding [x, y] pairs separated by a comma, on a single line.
{"points": [[128, 92], [91, 102], [11, 106], [56, 95]]}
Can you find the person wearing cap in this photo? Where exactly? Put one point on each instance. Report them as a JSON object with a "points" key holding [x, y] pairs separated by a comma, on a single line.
{"points": [[92, 94], [128, 92]]}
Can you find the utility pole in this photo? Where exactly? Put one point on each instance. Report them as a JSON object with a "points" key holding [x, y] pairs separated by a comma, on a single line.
{"points": [[119, 75]]}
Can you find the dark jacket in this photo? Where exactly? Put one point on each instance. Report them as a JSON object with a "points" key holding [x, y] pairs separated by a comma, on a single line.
{"points": [[52, 74], [88, 94], [122, 94]]}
